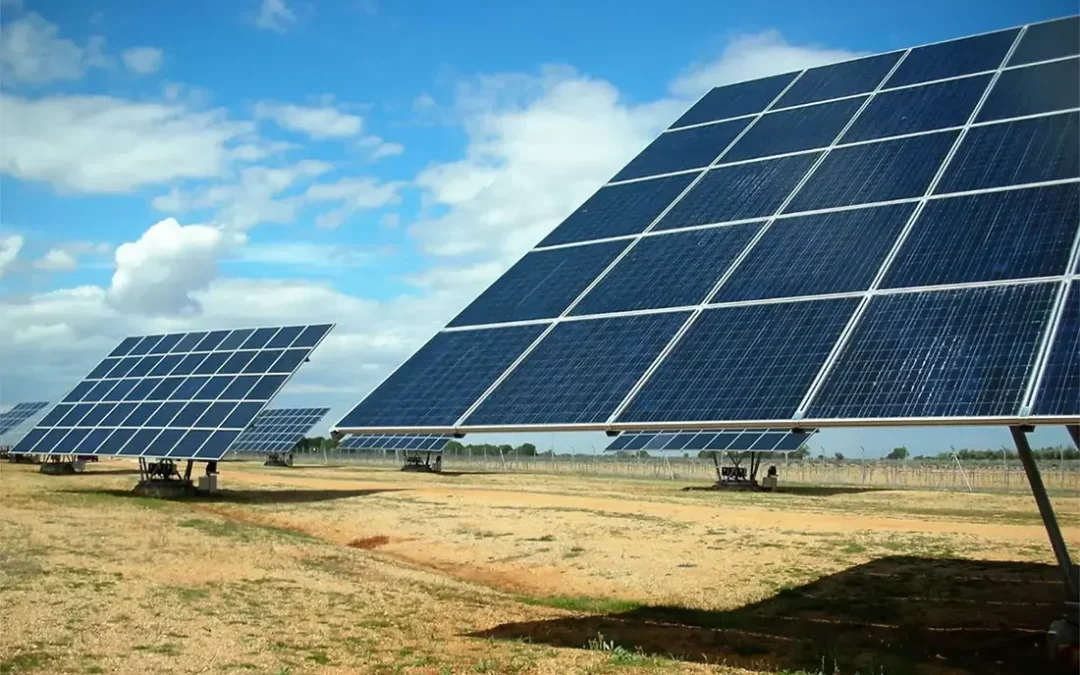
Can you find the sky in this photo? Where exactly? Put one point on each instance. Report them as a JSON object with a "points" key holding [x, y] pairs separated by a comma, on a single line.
{"points": [[376, 164]]}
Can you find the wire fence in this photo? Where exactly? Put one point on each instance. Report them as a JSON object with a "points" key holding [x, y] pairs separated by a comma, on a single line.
{"points": [[982, 475]]}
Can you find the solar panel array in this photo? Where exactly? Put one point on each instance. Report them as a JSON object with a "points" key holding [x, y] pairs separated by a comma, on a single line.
{"points": [[423, 442], [891, 239], [278, 430], [732, 440], [181, 396], [19, 414]]}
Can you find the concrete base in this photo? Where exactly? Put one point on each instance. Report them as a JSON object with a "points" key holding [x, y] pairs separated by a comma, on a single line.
{"points": [[165, 489]]}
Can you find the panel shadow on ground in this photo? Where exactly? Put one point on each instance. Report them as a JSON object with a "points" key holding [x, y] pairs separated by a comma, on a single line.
{"points": [[897, 614]]}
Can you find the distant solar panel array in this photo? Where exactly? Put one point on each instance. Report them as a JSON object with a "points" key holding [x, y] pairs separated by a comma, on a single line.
{"points": [[278, 430], [19, 414], [731, 440], [424, 442], [888, 240], [180, 396]]}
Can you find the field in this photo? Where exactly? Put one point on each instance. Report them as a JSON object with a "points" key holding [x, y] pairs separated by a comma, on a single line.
{"points": [[354, 568]]}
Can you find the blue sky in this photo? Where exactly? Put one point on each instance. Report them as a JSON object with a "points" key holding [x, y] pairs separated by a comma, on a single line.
{"points": [[368, 162]]}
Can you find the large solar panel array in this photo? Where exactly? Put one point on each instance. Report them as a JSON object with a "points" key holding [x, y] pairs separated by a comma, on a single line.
{"points": [[19, 413], [278, 430], [732, 440], [181, 396], [423, 442], [888, 240]]}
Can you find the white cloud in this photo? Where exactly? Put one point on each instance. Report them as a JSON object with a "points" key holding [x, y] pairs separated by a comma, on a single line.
{"points": [[256, 198], [143, 60], [9, 251], [32, 51], [318, 122], [752, 56], [101, 144], [56, 259], [353, 194], [380, 148], [308, 255], [390, 220], [275, 15], [157, 274], [423, 102]]}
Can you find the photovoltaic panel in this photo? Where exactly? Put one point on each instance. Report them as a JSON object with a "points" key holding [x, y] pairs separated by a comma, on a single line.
{"points": [[739, 192], [618, 210], [900, 199], [18, 414], [806, 128], [683, 149], [913, 109], [735, 100], [278, 429], [1018, 234], [196, 414], [426, 443], [1059, 394], [541, 285], [954, 58], [1015, 153], [1050, 40], [734, 440]]}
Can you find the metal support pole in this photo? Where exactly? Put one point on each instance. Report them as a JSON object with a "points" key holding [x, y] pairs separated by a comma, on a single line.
{"points": [[187, 471], [1057, 542], [1074, 431]]}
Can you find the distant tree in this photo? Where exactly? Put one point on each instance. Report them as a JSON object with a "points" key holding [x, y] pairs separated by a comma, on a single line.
{"points": [[839, 456], [526, 450], [506, 449], [898, 453], [642, 453], [453, 448], [801, 453]]}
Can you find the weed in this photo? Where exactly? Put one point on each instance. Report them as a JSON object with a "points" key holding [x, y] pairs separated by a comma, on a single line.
{"points": [[574, 552], [319, 657], [24, 663], [167, 649], [583, 604]]}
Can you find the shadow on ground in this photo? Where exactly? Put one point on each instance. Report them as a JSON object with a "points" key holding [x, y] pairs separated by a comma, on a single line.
{"points": [[253, 496], [891, 615]]}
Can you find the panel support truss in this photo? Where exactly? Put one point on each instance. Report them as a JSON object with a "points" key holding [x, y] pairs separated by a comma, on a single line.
{"points": [[1057, 541]]}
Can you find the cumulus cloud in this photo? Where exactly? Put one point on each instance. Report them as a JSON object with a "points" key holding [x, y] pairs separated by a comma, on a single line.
{"points": [[351, 195], [275, 15], [752, 56], [32, 52], [101, 144], [157, 274], [318, 122], [143, 60], [9, 251], [57, 260]]}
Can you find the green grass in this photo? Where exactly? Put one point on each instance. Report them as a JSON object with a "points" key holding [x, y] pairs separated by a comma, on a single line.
{"points": [[582, 603], [167, 649], [319, 657], [26, 662]]}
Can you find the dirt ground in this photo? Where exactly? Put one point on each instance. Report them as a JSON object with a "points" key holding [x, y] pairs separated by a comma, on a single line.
{"points": [[323, 569]]}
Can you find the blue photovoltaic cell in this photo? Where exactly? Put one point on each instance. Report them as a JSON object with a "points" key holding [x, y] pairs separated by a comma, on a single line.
{"points": [[1015, 153], [738, 192], [439, 383], [732, 440], [839, 79], [618, 210], [423, 442], [130, 393], [793, 130], [19, 413], [1059, 391], [735, 100], [1050, 40], [953, 58], [812, 255], [541, 285], [1047, 87], [965, 352], [875, 172], [668, 270], [752, 362], [685, 149], [580, 372], [1014, 234], [278, 429], [924, 108]]}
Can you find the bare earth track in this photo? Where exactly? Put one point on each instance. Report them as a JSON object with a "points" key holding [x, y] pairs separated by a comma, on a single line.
{"points": [[344, 569]]}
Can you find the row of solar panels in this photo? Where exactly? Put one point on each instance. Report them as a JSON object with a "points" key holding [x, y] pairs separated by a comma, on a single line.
{"points": [[732, 440]]}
